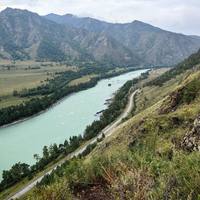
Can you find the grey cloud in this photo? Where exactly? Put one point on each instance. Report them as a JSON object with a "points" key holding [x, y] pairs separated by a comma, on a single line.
{"points": [[172, 15]]}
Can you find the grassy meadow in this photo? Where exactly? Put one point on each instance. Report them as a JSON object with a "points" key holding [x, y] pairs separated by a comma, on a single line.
{"points": [[144, 158], [148, 96], [22, 75], [164, 170], [25, 181], [17, 75]]}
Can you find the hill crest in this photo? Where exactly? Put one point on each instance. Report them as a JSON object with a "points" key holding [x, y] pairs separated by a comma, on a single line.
{"points": [[154, 45], [26, 35]]}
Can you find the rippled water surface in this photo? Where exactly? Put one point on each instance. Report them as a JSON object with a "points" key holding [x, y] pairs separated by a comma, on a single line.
{"points": [[18, 143]]}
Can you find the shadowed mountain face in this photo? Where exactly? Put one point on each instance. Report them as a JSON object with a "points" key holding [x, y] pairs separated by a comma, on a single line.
{"points": [[156, 46], [24, 34]]}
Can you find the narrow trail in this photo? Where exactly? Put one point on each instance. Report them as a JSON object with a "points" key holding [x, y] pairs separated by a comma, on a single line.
{"points": [[107, 131]]}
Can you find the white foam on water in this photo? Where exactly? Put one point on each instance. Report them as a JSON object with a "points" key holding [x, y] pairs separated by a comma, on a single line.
{"points": [[18, 143]]}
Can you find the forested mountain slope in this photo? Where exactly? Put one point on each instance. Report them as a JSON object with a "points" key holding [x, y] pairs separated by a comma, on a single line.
{"points": [[156, 46], [26, 35]]}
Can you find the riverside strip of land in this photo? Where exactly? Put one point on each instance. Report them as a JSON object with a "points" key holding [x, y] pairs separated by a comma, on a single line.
{"points": [[107, 131]]}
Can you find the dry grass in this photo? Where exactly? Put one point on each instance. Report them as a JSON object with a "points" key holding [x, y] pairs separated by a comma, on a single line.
{"points": [[149, 96], [149, 117], [158, 141], [17, 78], [84, 79], [122, 134]]}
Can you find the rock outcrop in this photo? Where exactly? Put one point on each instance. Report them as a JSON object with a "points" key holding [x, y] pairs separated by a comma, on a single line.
{"points": [[191, 139], [172, 101], [175, 120]]}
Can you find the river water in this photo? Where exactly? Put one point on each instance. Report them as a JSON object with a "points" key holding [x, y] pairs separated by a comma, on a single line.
{"points": [[19, 142]]}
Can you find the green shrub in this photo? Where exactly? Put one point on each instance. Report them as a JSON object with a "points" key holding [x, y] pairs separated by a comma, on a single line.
{"points": [[190, 92]]}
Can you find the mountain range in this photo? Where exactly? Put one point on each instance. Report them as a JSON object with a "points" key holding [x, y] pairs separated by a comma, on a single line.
{"points": [[26, 35], [154, 45], [154, 152]]}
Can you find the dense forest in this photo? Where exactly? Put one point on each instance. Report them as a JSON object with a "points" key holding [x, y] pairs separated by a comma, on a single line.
{"points": [[49, 49]]}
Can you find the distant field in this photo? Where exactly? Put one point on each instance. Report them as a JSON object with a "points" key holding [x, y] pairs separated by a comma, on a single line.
{"points": [[22, 76], [17, 75], [84, 79]]}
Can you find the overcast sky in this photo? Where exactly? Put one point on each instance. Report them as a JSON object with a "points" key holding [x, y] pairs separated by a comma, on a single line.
{"points": [[180, 16]]}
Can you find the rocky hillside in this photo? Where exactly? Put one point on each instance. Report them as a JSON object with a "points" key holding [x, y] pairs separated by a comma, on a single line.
{"points": [[26, 35], [156, 46]]}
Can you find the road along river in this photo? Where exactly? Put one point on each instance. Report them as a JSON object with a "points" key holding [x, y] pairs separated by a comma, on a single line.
{"points": [[107, 132], [18, 143]]}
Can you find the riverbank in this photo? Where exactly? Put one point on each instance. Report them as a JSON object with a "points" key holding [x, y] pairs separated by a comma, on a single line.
{"points": [[107, 103], [59, 124], [16, 114], [108, 131], [37, 114]]}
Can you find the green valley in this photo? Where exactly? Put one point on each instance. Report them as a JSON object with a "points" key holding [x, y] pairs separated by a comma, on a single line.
{"points": [[153, 155], [145, 150]]}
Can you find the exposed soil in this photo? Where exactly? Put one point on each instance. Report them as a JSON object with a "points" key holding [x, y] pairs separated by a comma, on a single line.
{"points": [[95, 192]]}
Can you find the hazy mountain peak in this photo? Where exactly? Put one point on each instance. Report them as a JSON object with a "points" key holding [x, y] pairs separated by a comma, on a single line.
{"points": [[5, 12], [26, 35], [22, 29], [15, 12]]}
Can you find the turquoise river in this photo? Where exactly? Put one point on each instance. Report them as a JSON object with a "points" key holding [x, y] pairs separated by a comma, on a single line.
{"points": [[19, 142]]}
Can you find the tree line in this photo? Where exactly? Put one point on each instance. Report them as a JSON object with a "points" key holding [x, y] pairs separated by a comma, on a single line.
{"points": [[21, 170], [50, 154], [59, 171], [35, 105], [61, 79], [114, 110]]}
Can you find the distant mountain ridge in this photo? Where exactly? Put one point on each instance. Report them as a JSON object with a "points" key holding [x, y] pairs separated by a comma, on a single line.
{"points": [[24, 34], [156, 46]]}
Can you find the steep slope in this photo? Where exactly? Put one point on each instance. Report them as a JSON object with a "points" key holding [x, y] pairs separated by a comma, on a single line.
{"points": [[155, 45], [154, 155], [25, 35]]}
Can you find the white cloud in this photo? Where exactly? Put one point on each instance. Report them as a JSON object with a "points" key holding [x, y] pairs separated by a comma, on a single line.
{"points": [[173, 15]]}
